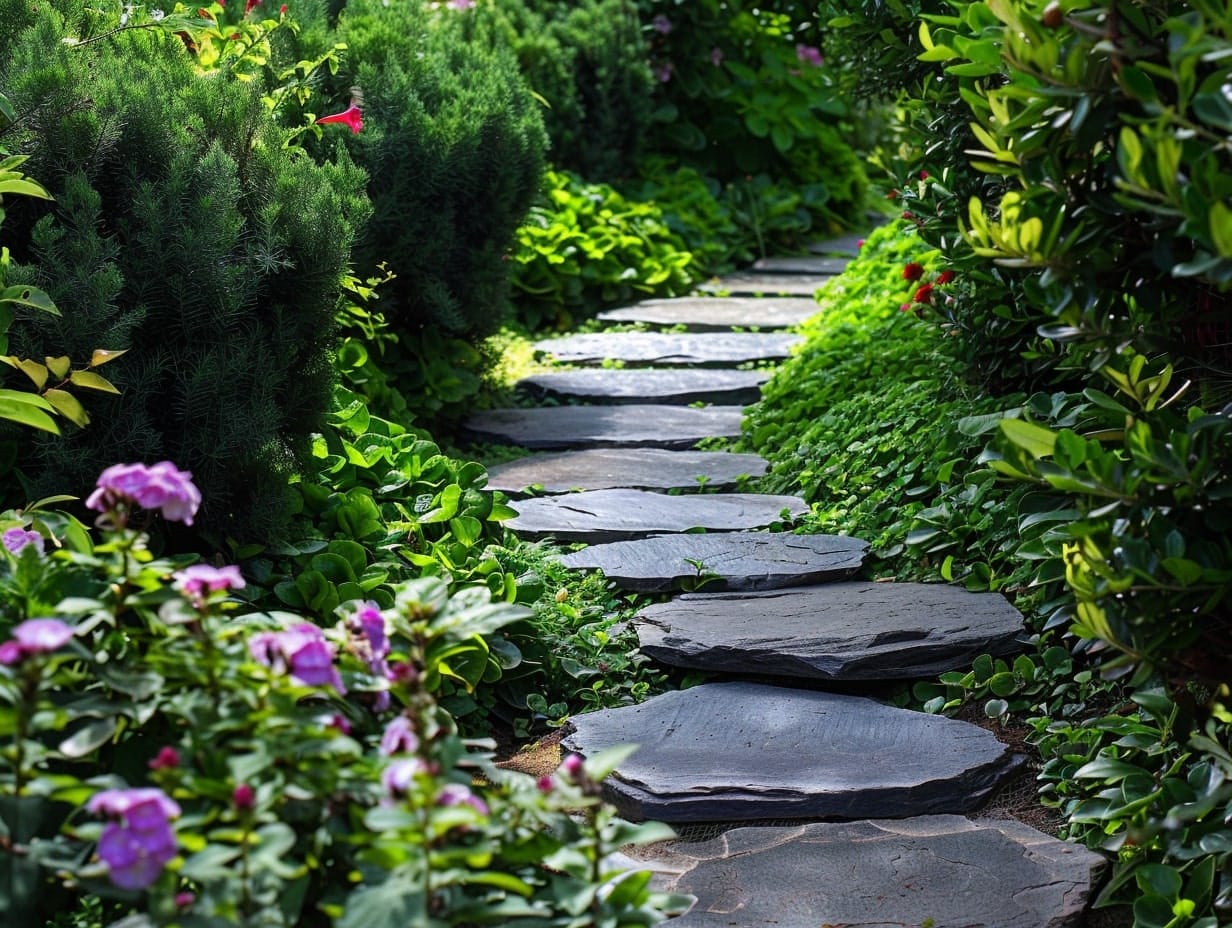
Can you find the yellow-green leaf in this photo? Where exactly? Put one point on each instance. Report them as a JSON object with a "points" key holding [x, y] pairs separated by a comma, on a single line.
{"points": [[103, 355], [59, 366], [68, 406], [27, 409], [1036, 440], [92, 381], [29, 296], [33, 370]]}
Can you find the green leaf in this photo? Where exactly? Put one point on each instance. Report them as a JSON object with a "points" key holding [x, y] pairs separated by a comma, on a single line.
{"points": [[103, 356], [92, 381], [68, 406], [29, 296], [89, 738], [1036, 440]]}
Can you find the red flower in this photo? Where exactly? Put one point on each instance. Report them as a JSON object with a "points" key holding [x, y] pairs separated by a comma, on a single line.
{"points": [[860, 244], [913, 271], [904, 308], [892, 195], [168, 758], [924, 294], [282, 10], [923, 175], [945, 277], [248, 7], [350, 117]]}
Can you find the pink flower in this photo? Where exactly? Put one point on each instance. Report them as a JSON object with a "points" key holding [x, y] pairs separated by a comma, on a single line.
{"points": [[301, 651], [545, 784], [923, 175], [661, 24], [913, 271], [860, 244], [351, 117], [140, 842], [243, 797], [398, 777], [455, 794], [461, 4], [716, 56], [810, 54], [663, 73], [399, 737], [34, 636], [196, 581], [371, 640], [571, 766], [159, 486], [168, 758], [17, 539]]}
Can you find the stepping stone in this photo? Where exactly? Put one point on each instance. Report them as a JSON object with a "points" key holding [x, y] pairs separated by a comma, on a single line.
{"points": [[843, 245], [720, 313], [729, 561], [839, 631], [606, 426], [598, 516], [713, 348], [752, 284], [813, 264], [728, 752], [633, 468], [675, 386], [941, 870]]}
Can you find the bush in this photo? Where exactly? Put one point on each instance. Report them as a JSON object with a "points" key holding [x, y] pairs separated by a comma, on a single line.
{"points": [[187, 233]]}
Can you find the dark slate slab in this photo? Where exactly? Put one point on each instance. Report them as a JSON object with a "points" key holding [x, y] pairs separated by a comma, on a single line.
{"points": [[635, 468], [714, 348], [711, 312], [753, 284], [941, 870], [605, 426], [729, 561], [842, 245], [599, 516], [837, 631], [727, 752], [678, 386], [810, 264]]}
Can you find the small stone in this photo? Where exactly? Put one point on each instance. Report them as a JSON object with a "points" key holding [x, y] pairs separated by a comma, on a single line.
{"points": [[753, 284], [685, 350], [718, 313], [812, 264], [630, 468], [727, 561], [679, 386], [605, 426]]}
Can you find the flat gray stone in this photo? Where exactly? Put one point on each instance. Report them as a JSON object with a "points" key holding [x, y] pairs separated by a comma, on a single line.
{"points": [[728, 561], [606, 426], [689, 350], [753, 284], [837, 631], [941, 870], [718, 313], [678, 386], [809, 264], [842, 245], [728, 752], [632, 468], [598, 516]]}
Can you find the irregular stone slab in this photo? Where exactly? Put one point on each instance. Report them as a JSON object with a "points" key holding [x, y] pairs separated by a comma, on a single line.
{"points": [[842, 245], [632, 468], [600, 516], [838, 631], [727, 752], [718, 313], [605, 426], [674, 386], [716, 348], [752, 284], [812, 264], [729, 561], [942, 870]]}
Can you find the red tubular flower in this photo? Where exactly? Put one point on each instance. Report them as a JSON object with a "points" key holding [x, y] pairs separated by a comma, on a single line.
{"points": [[924, 294], [945, 277], [250, 5], [350, 117], [913, 271]]}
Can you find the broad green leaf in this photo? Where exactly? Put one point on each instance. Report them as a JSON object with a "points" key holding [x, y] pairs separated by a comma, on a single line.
{"points": [[1036, 440], [29, 296], [92, 381], [59, 366], [103, 356], [68, 406]]}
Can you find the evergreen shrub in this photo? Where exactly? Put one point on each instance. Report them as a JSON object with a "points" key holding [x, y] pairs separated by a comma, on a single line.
{"points": [[185, 231]]}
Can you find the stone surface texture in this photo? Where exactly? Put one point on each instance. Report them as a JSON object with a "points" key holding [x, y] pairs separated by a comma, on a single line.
{"points": [[810, 264], [836, 631], [679, 386], [940, 870], [728, 752], [718, 313], [600, 516], [613, 468], [842, 245], [728, 561], [748, 283], [687, 350], [637, 425]]}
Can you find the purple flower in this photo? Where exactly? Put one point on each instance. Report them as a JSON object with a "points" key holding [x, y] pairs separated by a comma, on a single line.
{"points": [[159, 486], [461, 4], [140, 841], [16, 539], [716, 56], [34, 636], [455, 794], [809, 54], [661, 24], [195, 581], [399, 737], [663, 72], [398, 777], [370, 639], [301, 651]]}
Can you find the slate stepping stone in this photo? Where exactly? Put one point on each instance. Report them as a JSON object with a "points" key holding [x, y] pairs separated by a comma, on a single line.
{"points": [[842, 245], [674, 386], [753, 284], [634, 468], [696, 350], [729, 561], [604, 426], [728, 752], [838, 631], [719, 313], [811, 264], [941, 870], [599, 516]]}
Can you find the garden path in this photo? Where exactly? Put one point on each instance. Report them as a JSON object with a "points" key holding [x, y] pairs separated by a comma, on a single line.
{"points": [[747, 766]]}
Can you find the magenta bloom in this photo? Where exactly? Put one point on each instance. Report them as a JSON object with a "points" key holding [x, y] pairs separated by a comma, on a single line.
{"points": [[350, 117], [661, 24], [159, 486], [140, 841], [461, 4], [663, 73], [370, 639], [399, 738], [199, 579], [455, 794], [398, 777], [16, 539], [810, 54], [571, 766], [34, 636], [301, 651]]}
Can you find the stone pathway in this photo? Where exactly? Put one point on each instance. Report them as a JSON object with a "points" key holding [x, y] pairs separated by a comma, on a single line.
{"points": [[772, 606]]}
